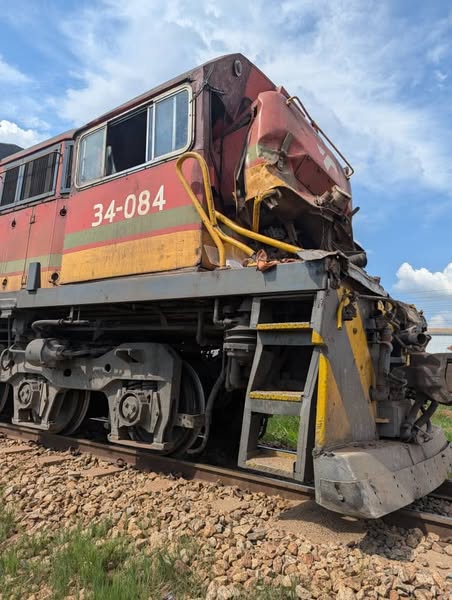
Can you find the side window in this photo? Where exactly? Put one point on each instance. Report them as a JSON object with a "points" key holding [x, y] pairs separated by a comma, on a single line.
{"points": [[92, 156], [170, 124], [126, 143], [30, 180], [39, 177], [148, 134], [10, 179]]}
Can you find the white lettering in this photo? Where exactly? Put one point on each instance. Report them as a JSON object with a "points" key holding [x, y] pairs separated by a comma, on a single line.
{"points": [[98, 209], [132, 207], [159, 199]]}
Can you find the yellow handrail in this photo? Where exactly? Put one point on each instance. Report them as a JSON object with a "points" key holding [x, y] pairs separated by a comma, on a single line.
{"points": [[211, 219], [257, 207], [257, 211], [343, 302], [258, 237], [237, 243]]}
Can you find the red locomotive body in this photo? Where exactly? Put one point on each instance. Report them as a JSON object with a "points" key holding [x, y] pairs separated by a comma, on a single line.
{"points": [[183, 267], [117, 209]]}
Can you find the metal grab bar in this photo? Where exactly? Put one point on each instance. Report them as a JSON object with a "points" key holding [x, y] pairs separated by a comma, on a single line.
{"points": [[258, 237], [208, 220], [211, 218]]}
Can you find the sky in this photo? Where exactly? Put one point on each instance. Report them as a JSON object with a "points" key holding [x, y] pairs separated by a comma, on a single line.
{"points": [[376, 75]]}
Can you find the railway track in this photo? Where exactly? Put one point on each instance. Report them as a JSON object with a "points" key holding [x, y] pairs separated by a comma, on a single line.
{"points": [[407, 518]]}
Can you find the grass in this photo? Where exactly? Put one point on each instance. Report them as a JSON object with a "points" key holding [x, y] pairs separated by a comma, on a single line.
{"points": [[90, 562], [65, 562], [443, 418], [283, 431], [6, 522], [106, 568]]}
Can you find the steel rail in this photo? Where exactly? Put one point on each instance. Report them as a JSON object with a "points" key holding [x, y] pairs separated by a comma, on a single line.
{"points": [[146, 461]]}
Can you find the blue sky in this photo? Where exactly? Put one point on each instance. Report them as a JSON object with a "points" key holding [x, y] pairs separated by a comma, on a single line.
{"points": [[377, 75]]}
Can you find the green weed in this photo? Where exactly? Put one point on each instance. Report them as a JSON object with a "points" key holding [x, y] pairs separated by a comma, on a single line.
{"points": [[7, 524], [443, 418], [282, 432]]}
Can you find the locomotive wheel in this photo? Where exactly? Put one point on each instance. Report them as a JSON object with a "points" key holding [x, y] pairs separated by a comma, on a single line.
{"points": [[71, 411], [192, 402], [6, 395]]}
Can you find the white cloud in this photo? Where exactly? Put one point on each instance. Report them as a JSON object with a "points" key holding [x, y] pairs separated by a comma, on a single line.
{"points": [[145, 47], [18, 106], [411, 279], [367, 74], [430, 290], [11, 75], [440, 76], [352, 61], [11, 133], [443, 319]]}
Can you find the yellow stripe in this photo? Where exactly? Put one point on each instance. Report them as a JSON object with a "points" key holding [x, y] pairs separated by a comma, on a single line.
{"points": [[317, 339], [276, 395], [166, 252], [259, 179], [332, 422], [358, 342], [322, 402], [290, 325]]}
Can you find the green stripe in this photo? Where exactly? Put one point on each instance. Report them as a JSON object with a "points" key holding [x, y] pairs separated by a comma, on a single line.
{"points": [[184, 215], [47, 260]]}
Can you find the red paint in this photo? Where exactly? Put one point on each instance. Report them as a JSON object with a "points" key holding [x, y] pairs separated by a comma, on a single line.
{"points": [[17, 234], [81, 205], [314, 165]]}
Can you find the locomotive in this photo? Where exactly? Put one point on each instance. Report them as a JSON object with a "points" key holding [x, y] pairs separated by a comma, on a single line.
{"points": [[183, 269]]}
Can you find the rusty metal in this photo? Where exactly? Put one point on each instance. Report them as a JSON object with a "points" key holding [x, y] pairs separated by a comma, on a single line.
{"points": [[146, 461]]}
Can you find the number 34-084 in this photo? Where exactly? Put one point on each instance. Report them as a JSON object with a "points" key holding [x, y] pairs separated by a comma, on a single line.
{"points": [[134, 205]]}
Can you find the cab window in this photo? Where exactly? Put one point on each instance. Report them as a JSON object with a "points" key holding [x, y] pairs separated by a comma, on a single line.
{"points": [[142, 136]]}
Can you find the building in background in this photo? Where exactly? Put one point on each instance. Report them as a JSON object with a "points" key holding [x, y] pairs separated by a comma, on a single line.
{"points": [[441, 339]]}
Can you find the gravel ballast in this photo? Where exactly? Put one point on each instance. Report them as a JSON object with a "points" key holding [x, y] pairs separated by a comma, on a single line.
{"points": [[245, 538]]}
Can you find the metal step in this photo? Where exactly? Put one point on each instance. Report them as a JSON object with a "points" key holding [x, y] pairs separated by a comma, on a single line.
{"points": [[288, 334], [273, 461], [291, 341], [283, 326], [281, 396]]}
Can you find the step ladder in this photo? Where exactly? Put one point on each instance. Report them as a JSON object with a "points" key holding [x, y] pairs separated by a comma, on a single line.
{"points": [[281, 344]]}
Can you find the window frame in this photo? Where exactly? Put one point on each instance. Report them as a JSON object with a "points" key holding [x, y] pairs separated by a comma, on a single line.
{"points": [[64, 189], [149, 105], [102, 128], [21, 163]]}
